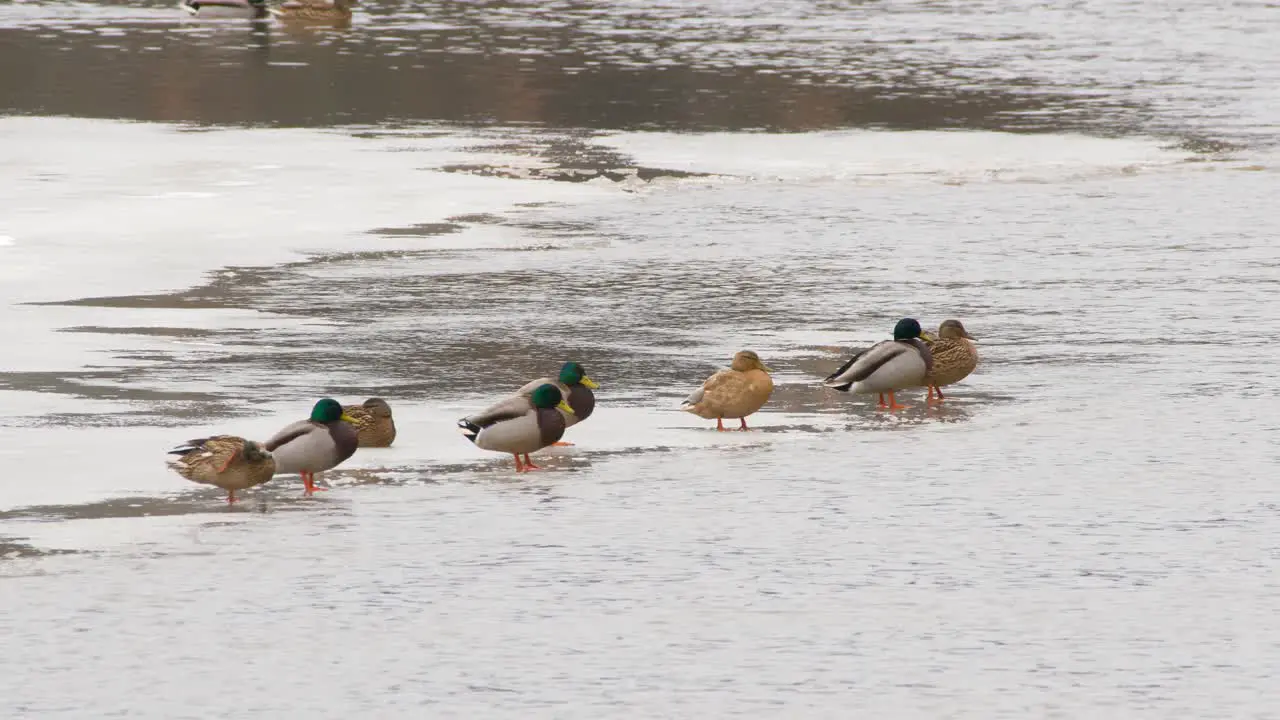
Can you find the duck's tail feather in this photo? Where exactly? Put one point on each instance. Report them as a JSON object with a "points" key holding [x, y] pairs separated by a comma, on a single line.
{"points": [[694, 398], [470, 430], [834, 380], [189, 446]]}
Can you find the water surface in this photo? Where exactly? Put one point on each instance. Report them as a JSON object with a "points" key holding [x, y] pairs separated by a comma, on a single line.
{"points": [[205, 226]]}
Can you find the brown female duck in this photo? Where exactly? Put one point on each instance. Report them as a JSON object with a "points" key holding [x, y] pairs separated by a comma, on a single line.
{"points": [[954, 357], [314, 11], [736, 392], [226, 461], [373, 422]]}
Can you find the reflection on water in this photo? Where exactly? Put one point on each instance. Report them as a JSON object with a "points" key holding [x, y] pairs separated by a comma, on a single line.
{"points": [[560, 64]]}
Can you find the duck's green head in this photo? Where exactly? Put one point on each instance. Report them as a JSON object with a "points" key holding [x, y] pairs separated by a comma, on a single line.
{"points": [[547, 395], [328, 411], [906, 329], [573, 374]]}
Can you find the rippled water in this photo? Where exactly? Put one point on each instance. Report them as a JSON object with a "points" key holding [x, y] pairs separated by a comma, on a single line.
{"points": [[443, 201]]}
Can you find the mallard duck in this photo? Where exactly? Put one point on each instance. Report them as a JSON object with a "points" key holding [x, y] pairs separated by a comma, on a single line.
{"points": [[373, 422], [314, 10], [519, 424], [954, 357], [226, 461], [255, 9], [888, 366], [736, 392], [319, 443], [576, 388]]}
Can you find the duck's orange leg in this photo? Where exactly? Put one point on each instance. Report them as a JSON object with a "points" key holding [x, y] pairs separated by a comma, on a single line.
{"points": [[309, 483], [519, 465], [231, 497], [883, 404], [940, 397], [893, 403], [528, 463], [744, 427], [720, 424]]}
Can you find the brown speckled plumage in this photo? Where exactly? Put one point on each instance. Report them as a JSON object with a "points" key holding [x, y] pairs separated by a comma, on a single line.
{"points": [[954, 355], [225, 461], [337, 11], [373, 422]]}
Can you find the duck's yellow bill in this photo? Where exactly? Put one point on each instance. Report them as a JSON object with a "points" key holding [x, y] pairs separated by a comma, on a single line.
{"points": [[347, 418], [565, 407], [592, 384]]}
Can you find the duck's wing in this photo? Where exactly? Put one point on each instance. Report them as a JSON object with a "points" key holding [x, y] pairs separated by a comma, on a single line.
{"points": [[861, 366], [711, 387], [694, 398], [527, 389], [517, 434], [844, 368], [728, 388], [699, 394], [215, 453], [289, 433], [512, 407], [213, 443], [190, 446]]}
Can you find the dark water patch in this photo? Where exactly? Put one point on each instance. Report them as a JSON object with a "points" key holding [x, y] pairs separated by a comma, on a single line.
{"points": [[188, 300], [160, 417], [419, 230], [412, 131], [861, 415], [573, 175], [571, 67], [95, 385], [442, 323], [478, 219], [1209, 148], [277, 496], [174, 332], [216, 294], [13, 549]]}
